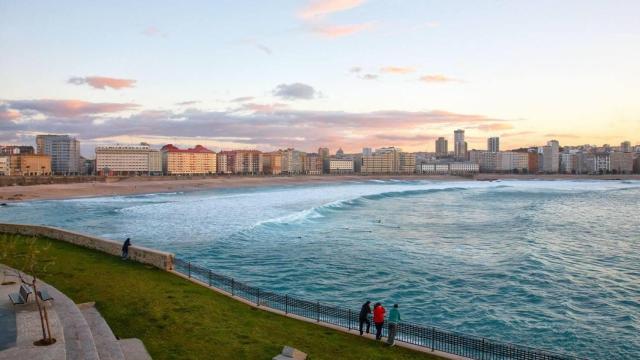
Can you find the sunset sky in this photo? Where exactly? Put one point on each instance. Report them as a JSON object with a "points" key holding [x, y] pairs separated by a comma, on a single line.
{"points": [[303, 74]]}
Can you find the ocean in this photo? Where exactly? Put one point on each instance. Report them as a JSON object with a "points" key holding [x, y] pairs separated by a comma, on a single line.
{"points": [[548, 264]]}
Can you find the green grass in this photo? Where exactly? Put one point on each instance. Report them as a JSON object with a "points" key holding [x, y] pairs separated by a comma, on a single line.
{"points": [[177, 319]]}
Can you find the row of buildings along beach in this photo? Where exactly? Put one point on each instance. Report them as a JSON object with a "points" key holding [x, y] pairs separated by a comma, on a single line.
{"points": [[60, 155]]}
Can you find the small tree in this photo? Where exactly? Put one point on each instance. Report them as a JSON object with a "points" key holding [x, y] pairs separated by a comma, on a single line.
{"points": [[32, 267]]}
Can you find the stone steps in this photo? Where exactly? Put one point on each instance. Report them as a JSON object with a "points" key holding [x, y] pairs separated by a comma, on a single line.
{"points": [[106, 343]]}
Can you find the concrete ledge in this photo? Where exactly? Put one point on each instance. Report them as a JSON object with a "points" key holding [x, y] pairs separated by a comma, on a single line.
{"points": [[159, 259]]}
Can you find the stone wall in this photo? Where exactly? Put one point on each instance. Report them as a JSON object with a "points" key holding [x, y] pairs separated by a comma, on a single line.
{"points": [[159, 259]]}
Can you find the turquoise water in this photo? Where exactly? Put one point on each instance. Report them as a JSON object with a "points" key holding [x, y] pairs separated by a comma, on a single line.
{"points": [[550, 264]]}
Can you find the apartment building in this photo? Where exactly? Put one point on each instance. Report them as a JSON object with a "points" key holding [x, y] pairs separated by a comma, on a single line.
{"points": [[222, 163], [621, 162], [493, 144], [272, 163], [292, 161], [128, 160], [312, 164], [196, 161], [487, 160], [341, 166], [551, 157], [442, 147], [27, 164], [246, 162], [463, 168], [64, 151]]}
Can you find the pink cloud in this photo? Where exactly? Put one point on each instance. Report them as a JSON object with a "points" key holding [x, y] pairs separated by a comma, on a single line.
{"points": [[263, 108], [319, 8], [437, 78], [102, 82], [68, 108], [8, 114], [335, 31], [153, 31], [397, 69], [494, 127]]}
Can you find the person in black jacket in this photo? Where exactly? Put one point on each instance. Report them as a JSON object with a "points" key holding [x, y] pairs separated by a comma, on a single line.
{"points": [[364, 316], [125, 249]]}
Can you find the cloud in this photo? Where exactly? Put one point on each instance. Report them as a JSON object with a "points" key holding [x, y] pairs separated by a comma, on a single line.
{"points": [[153, 31], [355, 70], [494, 127], [320, 8], [187, 103], [66, 108], [437, 78], [243, 99], [101, 82], [335, 31], [397, 70], [7, 114], [369, 77], [262, 108], [295, 91], [264, 126], [562, 135]]}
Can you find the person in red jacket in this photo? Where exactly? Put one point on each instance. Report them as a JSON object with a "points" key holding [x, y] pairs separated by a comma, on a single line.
{"points": [[378, 319]]}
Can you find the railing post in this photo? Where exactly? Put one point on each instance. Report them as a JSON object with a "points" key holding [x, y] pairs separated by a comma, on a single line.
{"points": [[209, 278], [349, 319], [233, 285], [258, 298], [433, 338], [286, 304], [482, 356], [189, 267], [318, 310]]}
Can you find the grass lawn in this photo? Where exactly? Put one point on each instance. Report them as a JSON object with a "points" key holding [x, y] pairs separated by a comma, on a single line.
{"points": [[177, 319]]}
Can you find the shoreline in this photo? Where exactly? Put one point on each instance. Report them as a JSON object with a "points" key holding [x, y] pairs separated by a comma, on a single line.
{"points": [[138, 186]]}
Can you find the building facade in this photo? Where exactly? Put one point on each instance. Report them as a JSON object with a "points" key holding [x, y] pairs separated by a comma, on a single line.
{"points": [[272, 163], [341, 166], [128, 160], [312, 164], [493, 144], [442, 147], [64, 151], [621, 162], [551, 157], [459, 145], [196, 161], [244, 162]]}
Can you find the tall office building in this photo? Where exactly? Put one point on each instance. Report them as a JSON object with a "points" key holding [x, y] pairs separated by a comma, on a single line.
{"points": [[459, 145], [64, 151], [366, 151], [625, 146], [324, 155], [493, 144], [442, 147], [551, 157]]}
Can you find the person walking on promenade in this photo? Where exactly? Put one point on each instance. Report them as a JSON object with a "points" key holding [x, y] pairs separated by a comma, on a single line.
{"points": [[378, 319], [394, 319], [125, 249], [364, 316]]}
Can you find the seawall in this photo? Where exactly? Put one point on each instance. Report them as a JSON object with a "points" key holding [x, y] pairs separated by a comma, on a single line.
{"points": [[159, 259]]}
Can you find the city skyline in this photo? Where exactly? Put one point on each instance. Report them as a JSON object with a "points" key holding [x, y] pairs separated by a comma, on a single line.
{"points": [[338, 73]]}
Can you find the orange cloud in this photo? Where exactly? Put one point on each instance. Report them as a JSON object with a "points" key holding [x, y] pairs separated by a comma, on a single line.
{"points": [[397, 69], [334, 31], [319, 8], [437, 78], [494, 127], [102, 82], [8, 114]]}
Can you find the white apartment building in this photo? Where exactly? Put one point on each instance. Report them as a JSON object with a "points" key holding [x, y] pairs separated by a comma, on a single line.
{"points": [[128, 160], [460, 168], [341, 166], [551, 157]]}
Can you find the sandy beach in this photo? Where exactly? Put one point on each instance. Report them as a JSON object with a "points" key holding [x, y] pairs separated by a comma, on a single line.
{"points": [[148, 185]]}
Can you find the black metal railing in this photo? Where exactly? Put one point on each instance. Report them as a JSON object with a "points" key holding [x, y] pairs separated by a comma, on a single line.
{"points": [[431, 338]]}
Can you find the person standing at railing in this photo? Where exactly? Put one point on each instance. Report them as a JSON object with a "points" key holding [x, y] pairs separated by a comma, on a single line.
{"points": [[394, 319], [125, 249], [378, 319], [364, 316]]}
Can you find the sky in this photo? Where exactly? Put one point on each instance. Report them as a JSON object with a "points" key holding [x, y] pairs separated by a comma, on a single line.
{"points": [[309, 73]]}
